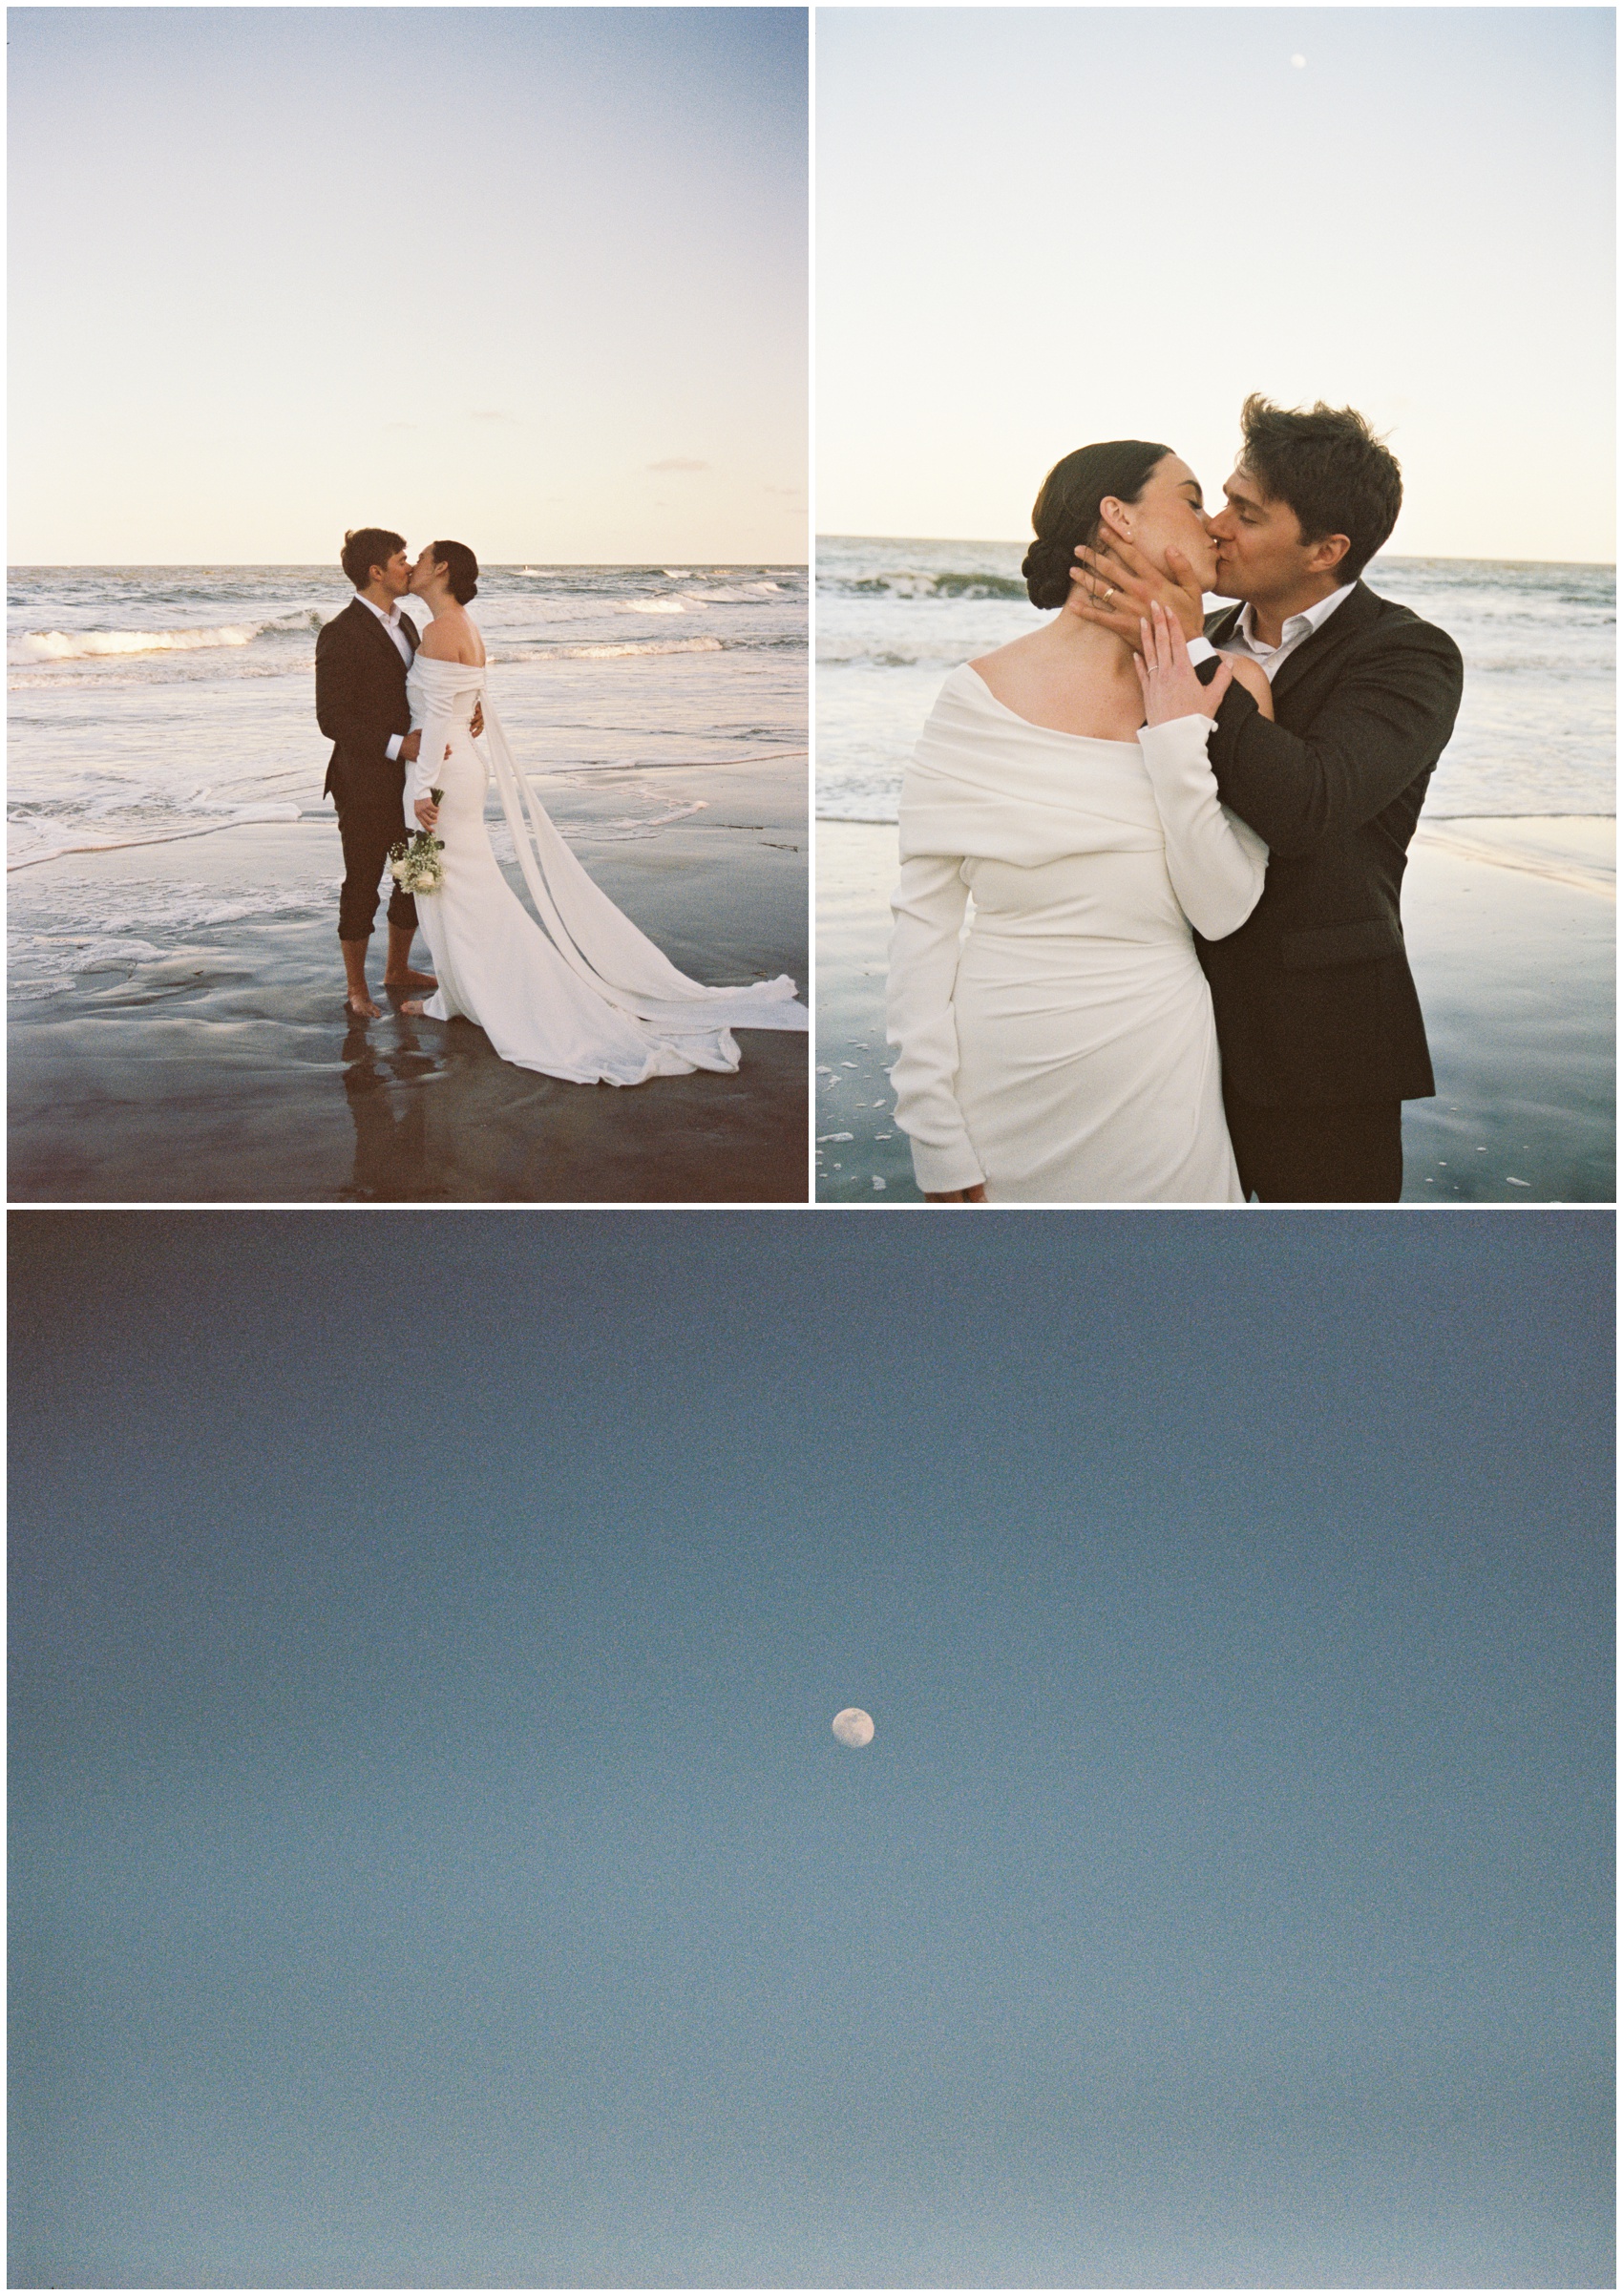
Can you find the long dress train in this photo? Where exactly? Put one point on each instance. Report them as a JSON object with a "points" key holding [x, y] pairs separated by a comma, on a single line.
{"points": [[581, 995]]}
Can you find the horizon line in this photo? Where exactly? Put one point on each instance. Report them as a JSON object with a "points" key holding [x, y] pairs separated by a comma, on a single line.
{"points": [[319, 566], [1456, 557]]}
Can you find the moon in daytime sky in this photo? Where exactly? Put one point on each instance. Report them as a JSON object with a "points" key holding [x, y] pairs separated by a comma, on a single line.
{"points": [[853, 1727]]}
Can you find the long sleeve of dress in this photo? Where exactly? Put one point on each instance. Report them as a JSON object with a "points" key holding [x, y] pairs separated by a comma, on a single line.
{"points": [[928, 906], [1215, 861], [436, 730]]}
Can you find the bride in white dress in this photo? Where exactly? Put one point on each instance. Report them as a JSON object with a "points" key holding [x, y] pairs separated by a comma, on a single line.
{"points": [[1063, 1050], [588, 998]]}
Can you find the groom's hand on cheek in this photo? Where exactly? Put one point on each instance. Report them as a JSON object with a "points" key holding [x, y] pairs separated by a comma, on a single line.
{"points": [[1117, 585]]}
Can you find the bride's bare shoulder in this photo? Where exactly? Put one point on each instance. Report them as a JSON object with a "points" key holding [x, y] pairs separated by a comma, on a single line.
{"points": [[1004, 656], [454, 638]]}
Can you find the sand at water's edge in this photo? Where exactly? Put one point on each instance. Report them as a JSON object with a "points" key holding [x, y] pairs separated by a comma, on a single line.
{"points": [[225, 1069]]}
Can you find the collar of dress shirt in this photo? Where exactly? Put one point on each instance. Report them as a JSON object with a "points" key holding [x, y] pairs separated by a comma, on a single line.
{"points": [[1299, 626], [391, 619]]}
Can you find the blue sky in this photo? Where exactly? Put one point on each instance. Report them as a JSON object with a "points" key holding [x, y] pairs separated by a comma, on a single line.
{"points": [[1039, 226], [433, 1864], [534, 275]]}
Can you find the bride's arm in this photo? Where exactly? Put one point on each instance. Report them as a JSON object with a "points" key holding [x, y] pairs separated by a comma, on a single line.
{"points": [[1216, 863], [927, 906], [421, 775]]}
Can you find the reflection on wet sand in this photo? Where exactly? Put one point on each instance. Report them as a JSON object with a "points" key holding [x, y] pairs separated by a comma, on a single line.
{"points": [[390, 1133], [225, 1067]]}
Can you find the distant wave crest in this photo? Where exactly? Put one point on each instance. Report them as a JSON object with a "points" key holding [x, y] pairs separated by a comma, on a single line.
{"points": [[635, 645], [73, 646], [905, 582]]}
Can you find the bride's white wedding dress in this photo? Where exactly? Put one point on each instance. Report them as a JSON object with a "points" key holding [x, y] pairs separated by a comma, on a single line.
{"points": [[1065, 1051], [588, 998]]}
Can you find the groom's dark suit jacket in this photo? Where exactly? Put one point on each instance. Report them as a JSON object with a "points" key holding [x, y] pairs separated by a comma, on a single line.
{"points": [[360, 703], [1314, 1003]]}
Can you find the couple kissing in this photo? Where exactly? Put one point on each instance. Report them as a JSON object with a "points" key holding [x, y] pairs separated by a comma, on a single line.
{"points": [[569, 988], [1184, 978]]}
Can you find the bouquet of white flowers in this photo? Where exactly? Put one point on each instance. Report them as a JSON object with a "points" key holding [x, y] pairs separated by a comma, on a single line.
{"points": [[415, 865]]}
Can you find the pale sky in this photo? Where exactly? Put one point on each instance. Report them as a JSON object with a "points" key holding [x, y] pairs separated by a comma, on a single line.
{"points": [[532, 277], [1037, 228]]}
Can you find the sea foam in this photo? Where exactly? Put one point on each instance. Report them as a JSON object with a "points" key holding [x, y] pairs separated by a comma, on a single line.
{"points": [[72, 645]]}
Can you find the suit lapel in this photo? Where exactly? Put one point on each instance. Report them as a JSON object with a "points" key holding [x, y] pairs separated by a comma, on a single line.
{"points": [[1222, 627], [1353, 615], [378, 631]]}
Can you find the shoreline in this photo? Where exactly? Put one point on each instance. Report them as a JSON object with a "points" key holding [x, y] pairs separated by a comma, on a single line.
{"points": [[1510, 923], [208, 1056]]}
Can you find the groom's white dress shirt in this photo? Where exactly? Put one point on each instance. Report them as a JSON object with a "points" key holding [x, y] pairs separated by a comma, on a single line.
{"points": [[1300, 626], [391, 623]]}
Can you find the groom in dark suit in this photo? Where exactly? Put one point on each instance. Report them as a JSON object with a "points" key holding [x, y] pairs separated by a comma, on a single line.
{"points": [[362, 658], [1318, 1019]]}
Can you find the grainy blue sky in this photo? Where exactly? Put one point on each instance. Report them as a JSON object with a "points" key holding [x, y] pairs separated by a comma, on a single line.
{"points": [[1039, 226], [432, 1862], [535, 276]]}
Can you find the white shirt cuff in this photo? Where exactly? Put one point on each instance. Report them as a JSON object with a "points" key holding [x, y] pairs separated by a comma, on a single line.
{"points": [[1201, 649], [392, 751]]}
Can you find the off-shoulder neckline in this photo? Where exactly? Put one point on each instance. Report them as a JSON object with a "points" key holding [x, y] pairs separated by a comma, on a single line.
{"points": [[1102, 739]]}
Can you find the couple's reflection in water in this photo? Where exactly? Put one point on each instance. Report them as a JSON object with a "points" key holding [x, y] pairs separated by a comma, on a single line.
{"points": [[384, 1080]]}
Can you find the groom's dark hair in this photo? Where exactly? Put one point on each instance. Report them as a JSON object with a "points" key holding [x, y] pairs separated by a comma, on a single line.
{"points": [[1328, 466], [1067, 509], [366, 547]]}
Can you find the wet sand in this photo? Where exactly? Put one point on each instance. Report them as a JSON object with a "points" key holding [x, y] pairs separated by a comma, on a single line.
{"points": [[213, 1060], [1512, 933]]}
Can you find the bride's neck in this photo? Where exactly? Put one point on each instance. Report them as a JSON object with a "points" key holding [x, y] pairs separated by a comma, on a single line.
{"points": [[1089, 648]]}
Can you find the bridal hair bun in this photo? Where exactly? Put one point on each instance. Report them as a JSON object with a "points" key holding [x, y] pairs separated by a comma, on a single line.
{"points": [[1066, 510], [1047, 570], [461, 570]]}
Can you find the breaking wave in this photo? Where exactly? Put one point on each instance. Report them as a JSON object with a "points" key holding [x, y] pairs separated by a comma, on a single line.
{"points": [[634, 645], [73, 646], [904, 583]]}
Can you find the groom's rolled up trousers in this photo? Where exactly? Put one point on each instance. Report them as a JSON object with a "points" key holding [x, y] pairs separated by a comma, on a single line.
{"points": [[368, 832]]}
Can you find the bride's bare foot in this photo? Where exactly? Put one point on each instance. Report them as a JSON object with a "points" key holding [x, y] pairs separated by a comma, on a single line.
{"points": [[410, 979], [362, 1008], [413, 1005]]}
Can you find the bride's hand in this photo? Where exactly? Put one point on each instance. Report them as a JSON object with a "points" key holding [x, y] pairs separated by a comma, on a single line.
{"points": [[1166, 674], [426, 809]]}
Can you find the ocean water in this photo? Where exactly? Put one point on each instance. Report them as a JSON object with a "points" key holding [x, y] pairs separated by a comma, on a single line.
{"points": [[151, 703], [1536, 731]]}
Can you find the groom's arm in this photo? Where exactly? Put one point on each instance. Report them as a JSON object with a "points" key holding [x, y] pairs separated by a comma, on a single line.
{"points": [[341, 710], [1384, 721]]}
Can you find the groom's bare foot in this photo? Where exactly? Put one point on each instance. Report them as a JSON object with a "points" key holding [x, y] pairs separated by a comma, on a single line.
{"points": [[410, 979], [362, 1008]]}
